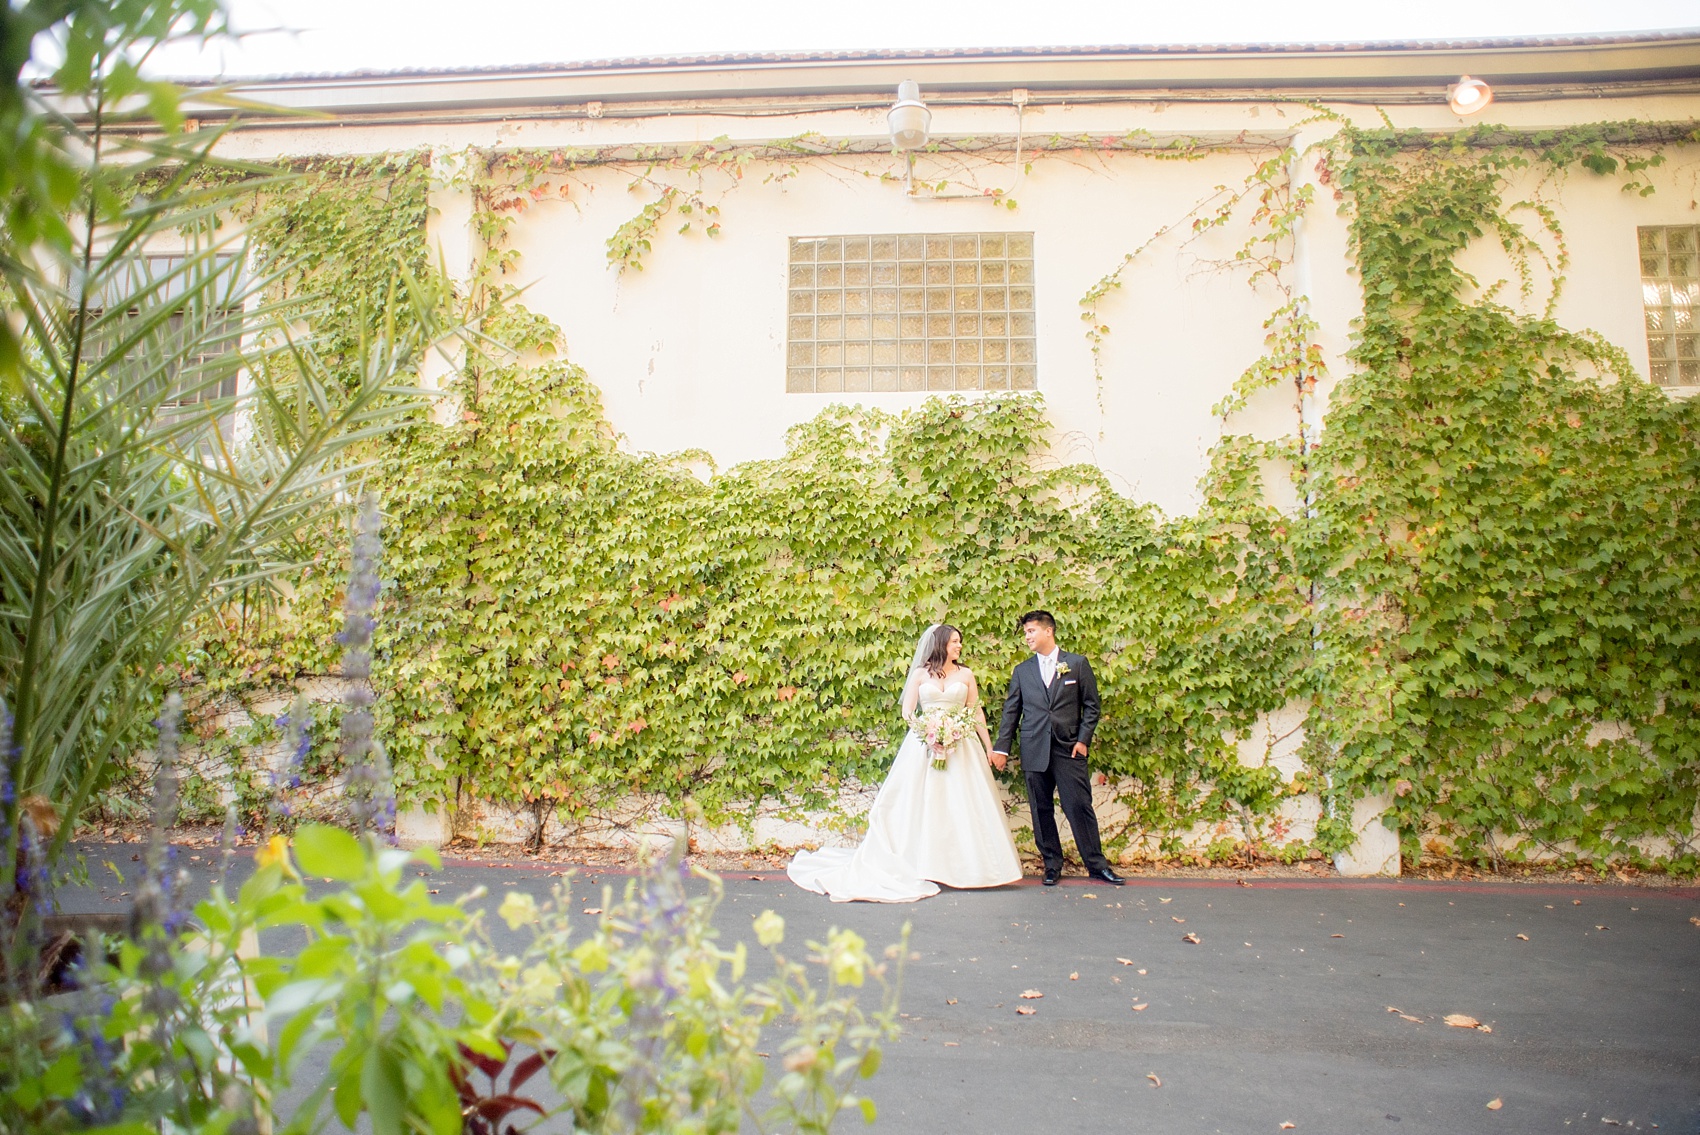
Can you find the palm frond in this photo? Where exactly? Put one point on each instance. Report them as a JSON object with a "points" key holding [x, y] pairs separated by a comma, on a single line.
{"points": [[166, 436]]}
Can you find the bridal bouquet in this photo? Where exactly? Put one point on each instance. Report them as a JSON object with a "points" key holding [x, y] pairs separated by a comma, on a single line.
{"points": [[943, 728]]}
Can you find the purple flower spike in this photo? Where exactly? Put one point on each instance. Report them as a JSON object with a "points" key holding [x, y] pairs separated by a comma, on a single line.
{"points": [[371, 799]]}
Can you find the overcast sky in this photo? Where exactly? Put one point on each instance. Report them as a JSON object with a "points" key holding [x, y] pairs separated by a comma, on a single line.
{"points": [[305, 36]]}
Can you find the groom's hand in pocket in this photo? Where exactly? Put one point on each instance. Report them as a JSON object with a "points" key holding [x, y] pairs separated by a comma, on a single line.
{"points": [[1080, 750]]}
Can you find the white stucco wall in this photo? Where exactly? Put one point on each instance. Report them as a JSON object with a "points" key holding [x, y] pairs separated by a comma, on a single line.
{"points": [[1598, 220], [690, 352]]}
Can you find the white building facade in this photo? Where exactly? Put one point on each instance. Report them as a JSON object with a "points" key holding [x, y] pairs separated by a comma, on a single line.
{"points": [[731, 244], [1045, 168]]}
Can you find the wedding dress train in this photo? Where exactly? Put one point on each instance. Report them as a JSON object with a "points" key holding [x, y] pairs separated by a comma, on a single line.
{"points": [[927, 826]]}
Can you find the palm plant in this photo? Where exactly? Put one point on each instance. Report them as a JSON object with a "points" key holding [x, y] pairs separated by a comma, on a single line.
{"points": [[166, 426]]}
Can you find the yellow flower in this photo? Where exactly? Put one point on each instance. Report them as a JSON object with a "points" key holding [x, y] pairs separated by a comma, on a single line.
{"points": [[541, 980], [275, 850], [770, 928], [591, 955], [517, 909], [847, 957]]}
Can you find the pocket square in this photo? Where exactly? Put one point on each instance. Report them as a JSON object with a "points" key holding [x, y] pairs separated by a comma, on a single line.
{"points": [[1071, 682]]}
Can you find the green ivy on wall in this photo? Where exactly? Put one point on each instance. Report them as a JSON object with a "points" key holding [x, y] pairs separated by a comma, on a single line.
{"points": [[572, 623], [1507, 529], [1494, 560]]}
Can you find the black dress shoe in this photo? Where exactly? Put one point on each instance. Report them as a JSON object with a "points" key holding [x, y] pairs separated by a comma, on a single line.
{"points": [[1106, 875], [1051, 876]]}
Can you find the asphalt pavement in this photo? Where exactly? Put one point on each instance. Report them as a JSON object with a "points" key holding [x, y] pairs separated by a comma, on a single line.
{"points": [[1316, 1003]]}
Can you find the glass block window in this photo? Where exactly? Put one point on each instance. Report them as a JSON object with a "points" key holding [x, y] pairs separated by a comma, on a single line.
{"points": [[193, 338], [911, 311], [1670, 296]]}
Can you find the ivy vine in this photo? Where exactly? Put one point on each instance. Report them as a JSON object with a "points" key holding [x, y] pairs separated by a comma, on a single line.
{"points": [[1506, 525]]}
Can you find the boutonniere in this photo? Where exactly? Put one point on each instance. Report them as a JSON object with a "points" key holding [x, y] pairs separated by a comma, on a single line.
{"points": [[1062, 668]]}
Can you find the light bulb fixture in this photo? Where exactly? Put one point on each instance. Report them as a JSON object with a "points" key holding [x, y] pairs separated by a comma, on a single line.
{"points": [[1468, 96], [908, 119]]}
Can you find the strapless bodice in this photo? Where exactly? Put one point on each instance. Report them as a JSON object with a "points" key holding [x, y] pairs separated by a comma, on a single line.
{"points": [[953, 694]]}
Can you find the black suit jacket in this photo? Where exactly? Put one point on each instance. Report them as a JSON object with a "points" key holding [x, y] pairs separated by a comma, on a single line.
{"points": [[1067, 711]]}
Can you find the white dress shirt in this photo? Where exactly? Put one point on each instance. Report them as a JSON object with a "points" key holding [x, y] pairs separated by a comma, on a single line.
{"points": [[1048, 665]]}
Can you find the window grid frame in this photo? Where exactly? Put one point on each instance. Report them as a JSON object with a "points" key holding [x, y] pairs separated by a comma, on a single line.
{"points": [[224, 324], [911, 313], [1670, 302]]}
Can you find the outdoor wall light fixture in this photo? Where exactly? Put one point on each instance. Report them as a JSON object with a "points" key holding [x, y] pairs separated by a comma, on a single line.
{"points": [[1467, 95], [908, 119]]}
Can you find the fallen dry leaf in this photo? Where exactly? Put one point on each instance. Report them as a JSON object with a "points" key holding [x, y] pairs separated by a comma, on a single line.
{"points": [[1602, 928], [1484, 1028], [1408, 1017], [1088, 895], [1243, 883], [1129, 961], [1074, 977], [1336, 935], [1142, 1006], [1139, 971], [1461, 1021], [1165, 900], [1523, 937], [952, 1044], [1025, 1010], [1172, 918], [1394, 1009], [1193, 938], [1031, 994], [1695, 920], [1610, 1122], [1575, 902], [950, 1000], [1495, 1104], [1155, 1082], [1288, 1126]]}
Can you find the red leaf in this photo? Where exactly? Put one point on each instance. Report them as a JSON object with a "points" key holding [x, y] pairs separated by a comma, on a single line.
{"points": [[496, 1107], [528, 1068], [488, 1065]]}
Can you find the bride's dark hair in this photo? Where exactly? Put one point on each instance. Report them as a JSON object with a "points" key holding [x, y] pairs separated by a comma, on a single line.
{"points": [[938, 649]]}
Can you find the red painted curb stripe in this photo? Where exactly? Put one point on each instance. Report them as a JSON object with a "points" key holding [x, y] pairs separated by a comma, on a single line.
{"points": [[1400, 886]]}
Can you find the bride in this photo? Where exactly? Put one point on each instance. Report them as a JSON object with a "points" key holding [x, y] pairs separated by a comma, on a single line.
{"points": [[928, 825]]}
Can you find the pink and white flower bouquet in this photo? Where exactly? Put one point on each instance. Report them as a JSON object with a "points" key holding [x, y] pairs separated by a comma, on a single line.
{"points": [[943, 728]]}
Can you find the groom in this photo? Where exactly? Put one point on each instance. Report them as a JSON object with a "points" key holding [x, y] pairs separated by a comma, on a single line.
{"points": [[1053, 699]]}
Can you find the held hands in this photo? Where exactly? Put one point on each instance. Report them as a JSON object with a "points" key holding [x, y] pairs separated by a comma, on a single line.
{"points": [[999, 760]]}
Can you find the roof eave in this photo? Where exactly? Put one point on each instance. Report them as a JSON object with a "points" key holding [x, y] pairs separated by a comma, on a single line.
{"points": [[1294, 71]]}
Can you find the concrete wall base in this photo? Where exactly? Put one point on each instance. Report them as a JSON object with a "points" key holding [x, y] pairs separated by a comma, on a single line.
{"points": [[1377, 851], [418, 828]]}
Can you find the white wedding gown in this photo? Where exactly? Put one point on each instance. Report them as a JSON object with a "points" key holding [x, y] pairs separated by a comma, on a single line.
{"points": [[927, 826]]}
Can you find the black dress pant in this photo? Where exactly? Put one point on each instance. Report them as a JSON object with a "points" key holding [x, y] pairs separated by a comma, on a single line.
{"points": [[1067, 777]]}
